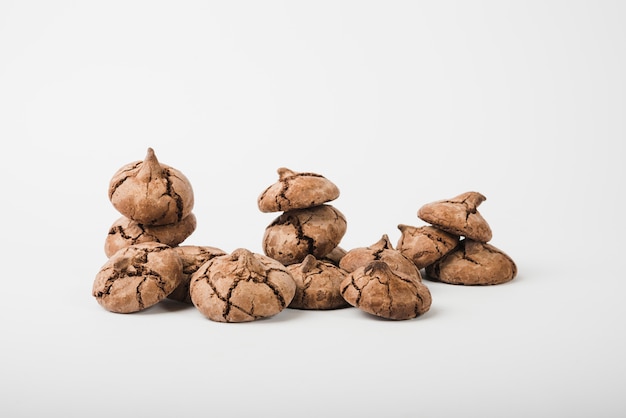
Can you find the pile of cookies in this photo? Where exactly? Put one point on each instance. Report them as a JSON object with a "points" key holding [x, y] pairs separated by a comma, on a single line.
{"points": [[454, 247], [303, 266]]}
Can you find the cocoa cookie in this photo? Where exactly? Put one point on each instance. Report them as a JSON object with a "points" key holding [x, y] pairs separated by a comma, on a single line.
{"points": [[296, 190], [335, 255], [425, 244], [317, 284], [193, 257], [137, 277], [473, 263], [151, 193], [299, 232], [382, 250], [378, 290], [125, 232], [241, 287], [458, 216]]}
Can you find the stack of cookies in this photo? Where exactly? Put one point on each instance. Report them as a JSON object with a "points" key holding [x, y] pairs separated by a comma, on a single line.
{"points": [[454, 247], [308, 224]]}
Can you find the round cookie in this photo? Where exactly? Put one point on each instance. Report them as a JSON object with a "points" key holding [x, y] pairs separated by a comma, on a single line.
{"points": [[193, 257], [425, 244], [241, 287], [151, 193], [125, 232], [137, 277], [317, 285], [299, 232], [382, 250], [378, 290], [458, 216], [296, 190], [473, 263]]}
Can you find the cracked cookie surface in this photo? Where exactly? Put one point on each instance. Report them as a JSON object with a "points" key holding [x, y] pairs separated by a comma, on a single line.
{"points": [[151, 193], [295, 190], [382, 250], [458, 216], [125, 232], [317, 285], [425, 244], [241, 286], [299, 232], [137, 277], [193, 257], [378, 290], [473, 263]]}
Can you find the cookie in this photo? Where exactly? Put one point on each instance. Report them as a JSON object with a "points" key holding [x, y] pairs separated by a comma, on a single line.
{"points": [[151, 193], [241, 286], [473, 263], [425, 244], [300, 232], [193, 257], [458, 216], [296, 190], [317, 285], [125, 232], [137, 277], [378, 290], [382, 250]]}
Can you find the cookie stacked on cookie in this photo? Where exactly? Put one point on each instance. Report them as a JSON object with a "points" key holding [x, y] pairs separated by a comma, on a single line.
{"points": [[454, 247], [308, 224]]}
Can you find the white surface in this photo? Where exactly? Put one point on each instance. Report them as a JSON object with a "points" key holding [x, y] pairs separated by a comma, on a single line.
{"points": [[399, 104]]}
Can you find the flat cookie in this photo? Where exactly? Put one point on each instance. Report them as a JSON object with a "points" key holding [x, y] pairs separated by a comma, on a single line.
{"points": [[300, 232], [241, 287], [378, 290], [473, 263], [425, 244], [137, 277], [125, 232], [317, 285], [458, 216], [193, 257], [296, 190]]}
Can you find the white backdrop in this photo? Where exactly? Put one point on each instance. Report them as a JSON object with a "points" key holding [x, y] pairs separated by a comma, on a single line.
{"points": [[399, 104]]}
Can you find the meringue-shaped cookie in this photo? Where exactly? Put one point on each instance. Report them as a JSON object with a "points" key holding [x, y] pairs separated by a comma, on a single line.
{"points": [[317, 284], [193, 257], [335, 255], [378, 290], [241, 286], [382, 250], [151, 193], [300, 232], [125, 232], [473, 263], [458, 216], [425, 244], [296, 190], [137, 277]]}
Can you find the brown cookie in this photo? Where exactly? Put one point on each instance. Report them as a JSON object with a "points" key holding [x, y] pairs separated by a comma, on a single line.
{"points": [[317, 285], [125, 232], [382, 250], [378, 290], [137, 277], [296, 190], [458, 216], [151, 193], [241, 287], [425, 244], [193, 257], [299, 232], [335, 255], [473, 263]]}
